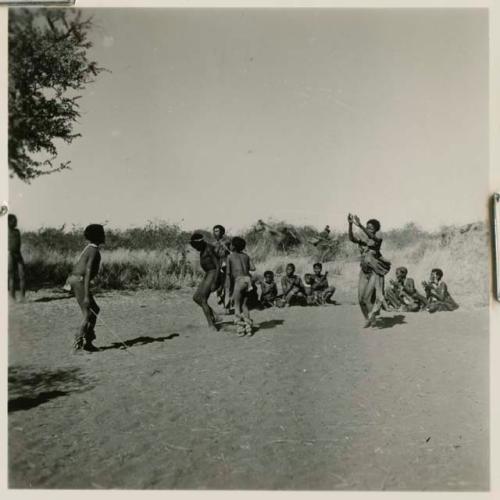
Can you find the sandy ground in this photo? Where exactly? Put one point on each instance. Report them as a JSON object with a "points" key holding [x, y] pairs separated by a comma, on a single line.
{"points": [[311, 401]]}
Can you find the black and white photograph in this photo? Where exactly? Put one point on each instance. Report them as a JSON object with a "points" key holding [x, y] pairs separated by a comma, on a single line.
{"points": [[249, 249]]}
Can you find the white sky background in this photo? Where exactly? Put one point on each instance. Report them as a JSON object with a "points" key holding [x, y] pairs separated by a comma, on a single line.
{"points": [[304, 115]]}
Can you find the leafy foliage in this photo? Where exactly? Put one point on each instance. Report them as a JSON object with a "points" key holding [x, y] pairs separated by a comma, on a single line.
{"points": [[48, 66]]}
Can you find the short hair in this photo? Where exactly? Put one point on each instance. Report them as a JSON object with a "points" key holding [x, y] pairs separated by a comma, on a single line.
{"points": [[402, 269], [238, 243], [438, 271], [318, 264], [268, 273], [375, 223], [11, 218], [222, 229], [292, 265], [94, 233], [308, 277]]}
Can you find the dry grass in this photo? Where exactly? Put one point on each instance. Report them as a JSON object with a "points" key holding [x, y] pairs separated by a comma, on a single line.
{"points": [[157, 257]]}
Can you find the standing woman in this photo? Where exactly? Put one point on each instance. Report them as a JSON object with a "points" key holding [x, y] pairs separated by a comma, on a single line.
{"points": [[373, 268]]}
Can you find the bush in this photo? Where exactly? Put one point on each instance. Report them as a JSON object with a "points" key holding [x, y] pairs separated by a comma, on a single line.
{"points": [[158, 256]]}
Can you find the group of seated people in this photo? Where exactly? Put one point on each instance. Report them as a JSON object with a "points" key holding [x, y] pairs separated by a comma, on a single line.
{"points": [[402, 295], [314, 290]]}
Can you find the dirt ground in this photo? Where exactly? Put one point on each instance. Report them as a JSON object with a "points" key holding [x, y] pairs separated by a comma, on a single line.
{"points": [[311, 401]]}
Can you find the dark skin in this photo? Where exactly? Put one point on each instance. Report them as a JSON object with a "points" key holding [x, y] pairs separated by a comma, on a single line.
{"points": [[88, 267], [211, 265], [432, 289], [239, 264], [365, 289], [369, 230], [16, 262], [291, 289], [320, 284], [222, 250]]}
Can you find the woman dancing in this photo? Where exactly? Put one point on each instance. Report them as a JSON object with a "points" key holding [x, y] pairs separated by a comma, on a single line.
{"points": [[373, 269]]}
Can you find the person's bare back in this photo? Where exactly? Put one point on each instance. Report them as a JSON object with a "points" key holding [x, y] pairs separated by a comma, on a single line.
{"points": [[239, 264]]}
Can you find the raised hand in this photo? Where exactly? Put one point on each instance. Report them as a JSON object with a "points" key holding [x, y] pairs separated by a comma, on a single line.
{"points": [[350, 219]]}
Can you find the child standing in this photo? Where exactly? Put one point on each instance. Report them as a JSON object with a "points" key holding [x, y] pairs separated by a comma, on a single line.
{"points": [[16, 261], [238, 270], [84, 271], [211, 265]]}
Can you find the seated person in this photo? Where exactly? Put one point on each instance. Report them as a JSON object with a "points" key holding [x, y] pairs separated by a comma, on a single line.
{"points": [[402, 293], [438, 296], [292, 288], [320, 286], [312, 297], [268, 290]]}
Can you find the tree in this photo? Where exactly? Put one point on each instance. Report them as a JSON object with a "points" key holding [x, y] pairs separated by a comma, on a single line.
{"points": [[48, 67]]}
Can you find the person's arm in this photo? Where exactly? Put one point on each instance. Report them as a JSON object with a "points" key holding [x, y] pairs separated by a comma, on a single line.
{"points": [[225, 244], [92, 255], [409, 287], [229, 272], [427, 289], [440, 291], [350, 220], [374, 238], [284, 286], [251, 266]]}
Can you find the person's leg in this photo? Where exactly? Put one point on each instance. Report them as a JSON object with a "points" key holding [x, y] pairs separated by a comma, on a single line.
{"points": [[221, 288], [371, 303], [328, 294], [412, 306], [300, 298], [364, 279], [203, 293], [290, 296], [238, 298], [22, 278], [228, 293], [246, 314], [12, 276], [94, 312], [392, 299], [434, 307], [378, 282], [79, 292]]}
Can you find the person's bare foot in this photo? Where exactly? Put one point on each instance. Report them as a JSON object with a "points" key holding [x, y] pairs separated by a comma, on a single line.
{"points": [[89, 347], [372, 319]]}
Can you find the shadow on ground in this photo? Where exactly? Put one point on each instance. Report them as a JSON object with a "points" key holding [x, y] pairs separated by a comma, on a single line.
{"points": [[138, 341], [272, 323], [51, 299], [390, 321], [29, 388]]}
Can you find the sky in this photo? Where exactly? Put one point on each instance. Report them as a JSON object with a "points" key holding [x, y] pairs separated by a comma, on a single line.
{"points": [[227, 116]]}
